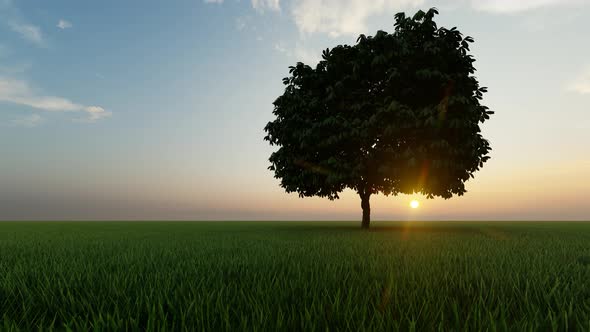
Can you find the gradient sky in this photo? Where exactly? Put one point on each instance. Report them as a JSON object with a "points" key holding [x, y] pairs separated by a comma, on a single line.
{"points": [[155, 109]]}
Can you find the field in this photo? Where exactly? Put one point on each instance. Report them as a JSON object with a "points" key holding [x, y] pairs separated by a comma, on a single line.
{"points": [[213, 276]]}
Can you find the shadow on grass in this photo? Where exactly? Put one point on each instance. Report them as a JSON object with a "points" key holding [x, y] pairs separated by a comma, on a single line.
{"points": [[401, 227], [451, 229]]}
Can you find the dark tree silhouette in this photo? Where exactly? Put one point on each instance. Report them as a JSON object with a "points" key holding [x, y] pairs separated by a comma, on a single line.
{"points": [[395, 113]]}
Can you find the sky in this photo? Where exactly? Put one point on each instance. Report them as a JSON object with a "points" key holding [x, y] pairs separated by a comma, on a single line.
{"points": [[145, 109]]}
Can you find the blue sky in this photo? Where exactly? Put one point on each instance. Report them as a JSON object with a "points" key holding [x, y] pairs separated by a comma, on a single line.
{"points": [[155, 110]]}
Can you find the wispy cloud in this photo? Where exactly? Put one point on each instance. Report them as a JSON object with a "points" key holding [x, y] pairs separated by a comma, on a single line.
{"points": [[29, 32], [581, 84], [95, 113], [263, 5], [514, 6], [342, 17], [280, 48], [259, 5], [12, 18], [241, 23], [300, 53], [350, 17], [63, 24], [19, 92], [28, 121], [307, 55]]}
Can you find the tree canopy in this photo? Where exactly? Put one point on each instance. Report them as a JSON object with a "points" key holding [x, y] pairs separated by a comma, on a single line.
{"points": [[395, 113]]}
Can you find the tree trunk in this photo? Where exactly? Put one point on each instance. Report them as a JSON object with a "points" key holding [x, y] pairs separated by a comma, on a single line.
{"points": [[366, 210]]}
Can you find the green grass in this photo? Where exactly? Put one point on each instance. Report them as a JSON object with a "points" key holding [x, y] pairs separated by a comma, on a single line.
{"points": [[294, 276]]}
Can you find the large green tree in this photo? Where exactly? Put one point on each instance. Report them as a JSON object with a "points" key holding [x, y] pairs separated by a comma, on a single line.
{"points": [[395, 113]]}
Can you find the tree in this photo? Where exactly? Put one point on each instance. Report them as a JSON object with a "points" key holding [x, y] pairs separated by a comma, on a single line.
{"points": [[395, 113]]}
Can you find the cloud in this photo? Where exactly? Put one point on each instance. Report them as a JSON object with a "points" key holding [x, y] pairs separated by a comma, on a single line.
{"points": [[262, 5], [582, 84], [19, 92], [11, 17], [213, 1], [280, 48], [350, 17], [63, 24], [28, 121], [300, 53], [343, 17], [513, 6], [307, 55], [241, 23], [29, 32], [96, 113]]}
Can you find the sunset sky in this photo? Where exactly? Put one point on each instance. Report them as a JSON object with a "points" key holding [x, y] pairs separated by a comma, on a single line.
{"points": [[155, 109]]}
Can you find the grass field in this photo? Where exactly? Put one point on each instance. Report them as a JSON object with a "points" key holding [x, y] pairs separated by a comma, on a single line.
{"points": [[295, 276]]}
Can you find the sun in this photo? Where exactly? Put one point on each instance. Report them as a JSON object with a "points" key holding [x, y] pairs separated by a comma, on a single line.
{"points": [[414, 204]]}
